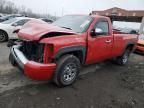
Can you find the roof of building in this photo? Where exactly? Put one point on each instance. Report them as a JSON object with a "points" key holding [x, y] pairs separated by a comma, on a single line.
{"points": [[119, 12]]}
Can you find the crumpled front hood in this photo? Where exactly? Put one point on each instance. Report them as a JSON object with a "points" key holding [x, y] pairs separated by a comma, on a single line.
{"points": [[36, 29]]}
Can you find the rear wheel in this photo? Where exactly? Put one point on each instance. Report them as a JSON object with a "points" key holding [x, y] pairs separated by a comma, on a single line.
{"points": [[67, 70], [122, 60], [3, 36]]}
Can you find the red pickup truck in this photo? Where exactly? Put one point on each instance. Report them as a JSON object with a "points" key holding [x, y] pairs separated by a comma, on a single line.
{"points": [[57, 51]]}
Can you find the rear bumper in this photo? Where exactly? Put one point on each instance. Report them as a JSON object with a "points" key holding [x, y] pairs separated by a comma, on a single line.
{"points": [[34, 70]]}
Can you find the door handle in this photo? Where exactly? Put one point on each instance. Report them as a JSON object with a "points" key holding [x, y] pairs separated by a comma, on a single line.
{"points": [[108, 41]]}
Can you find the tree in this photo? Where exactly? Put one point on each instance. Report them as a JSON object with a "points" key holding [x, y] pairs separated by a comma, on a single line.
{"points": [[8, 7]]}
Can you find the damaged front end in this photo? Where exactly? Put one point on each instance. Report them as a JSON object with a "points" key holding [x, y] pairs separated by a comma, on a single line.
{"points": [[34, 51], [29, 57]]}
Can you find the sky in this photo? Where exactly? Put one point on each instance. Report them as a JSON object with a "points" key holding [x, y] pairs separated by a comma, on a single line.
{"points": [[63, 7]]}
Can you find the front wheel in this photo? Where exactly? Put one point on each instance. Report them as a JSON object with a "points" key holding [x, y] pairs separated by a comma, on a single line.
{"points": [[122, 60], [67, 70]]}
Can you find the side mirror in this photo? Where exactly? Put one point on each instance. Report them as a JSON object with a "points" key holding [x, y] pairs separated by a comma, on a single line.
{"points": [[96, 32], [93, 33]]}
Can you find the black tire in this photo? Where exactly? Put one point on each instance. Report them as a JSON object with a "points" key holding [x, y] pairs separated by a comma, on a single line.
{"points": [[67, 70], [11, 60], [3, 36], [123, 60]]}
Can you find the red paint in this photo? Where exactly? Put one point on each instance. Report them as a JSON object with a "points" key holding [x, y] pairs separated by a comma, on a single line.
{"points": [[48, 51], [63, 41], [97, 48], [39, 71]]}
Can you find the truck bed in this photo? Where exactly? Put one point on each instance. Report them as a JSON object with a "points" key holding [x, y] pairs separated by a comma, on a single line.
{"points": [[121, 40]]}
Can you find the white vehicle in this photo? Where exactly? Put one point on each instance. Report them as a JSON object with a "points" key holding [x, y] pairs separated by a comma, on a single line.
{"points": [[1, 15], [9, 28]]}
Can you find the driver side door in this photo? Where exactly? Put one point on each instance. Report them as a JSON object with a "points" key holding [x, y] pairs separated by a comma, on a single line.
{"points": [[100, 44]]}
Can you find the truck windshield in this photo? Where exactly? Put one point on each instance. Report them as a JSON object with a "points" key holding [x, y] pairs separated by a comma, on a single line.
{"points": [[76, 23]]}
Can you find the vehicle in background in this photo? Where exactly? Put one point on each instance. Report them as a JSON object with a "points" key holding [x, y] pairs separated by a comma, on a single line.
{"points": [[126, 30], [140, 45], [9, 28], [57, 51], [129, 31], [47, 20], [1, 15], [8, 17]]}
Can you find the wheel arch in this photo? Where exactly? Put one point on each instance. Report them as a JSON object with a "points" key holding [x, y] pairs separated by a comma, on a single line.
{"points": [[78, 51], [130, 46]]}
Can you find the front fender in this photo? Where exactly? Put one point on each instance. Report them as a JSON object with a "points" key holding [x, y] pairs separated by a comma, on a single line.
{"points": [[66, 44]]}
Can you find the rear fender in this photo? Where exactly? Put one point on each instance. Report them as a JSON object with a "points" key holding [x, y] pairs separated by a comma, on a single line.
{"points": [[128, 45]]}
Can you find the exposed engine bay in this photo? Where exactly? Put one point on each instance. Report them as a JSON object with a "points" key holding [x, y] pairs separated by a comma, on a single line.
{"points": [[33, 50]]}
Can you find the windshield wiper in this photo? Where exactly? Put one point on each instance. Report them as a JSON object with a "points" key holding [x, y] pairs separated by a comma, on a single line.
{"points": [[67, 28]]}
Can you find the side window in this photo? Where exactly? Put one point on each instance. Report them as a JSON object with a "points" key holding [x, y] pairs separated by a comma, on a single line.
{"points": [[21, 22], [102, 27], [10, 17]]}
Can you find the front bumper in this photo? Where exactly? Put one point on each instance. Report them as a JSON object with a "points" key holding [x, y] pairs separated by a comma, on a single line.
{"points": [[34, 70]]}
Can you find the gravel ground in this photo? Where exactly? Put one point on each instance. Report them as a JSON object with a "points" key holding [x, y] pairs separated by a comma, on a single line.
{"points": [[103, 85]]}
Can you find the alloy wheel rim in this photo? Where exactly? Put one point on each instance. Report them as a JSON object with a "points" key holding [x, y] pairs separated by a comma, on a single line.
{"points": [[69, 73], [125, 58], [2, 36]]}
